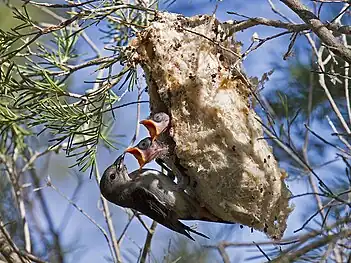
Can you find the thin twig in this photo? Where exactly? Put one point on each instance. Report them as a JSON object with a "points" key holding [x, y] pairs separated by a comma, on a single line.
{"points": [[67, 214], [319, 29], [50, 221], [49, 184], [263, 253], [325, 141], [305, 146], [214, 42], [137, 215], [137, 125], [147, 245], [125, 104], [278, 12], [342, 139], [15, 178], [224, 255], [292, 27], [33, 158], [59, 5], [325, 88], [32, 257], [120, 239], [297, 240], [37, 35], [292, 257], [8, 248], [108, 218]]}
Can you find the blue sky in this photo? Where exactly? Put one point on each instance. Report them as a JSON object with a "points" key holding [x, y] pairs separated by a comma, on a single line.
{"points": [[82, 233]]}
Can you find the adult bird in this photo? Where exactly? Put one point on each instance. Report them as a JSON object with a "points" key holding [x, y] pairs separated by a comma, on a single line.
{"points": [[153, 194]]}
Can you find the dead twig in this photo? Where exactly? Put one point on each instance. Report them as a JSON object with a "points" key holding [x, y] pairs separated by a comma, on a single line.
{"points": [[80, 210], [8, 248], [108, 219], [147, 245], [319, 29]]}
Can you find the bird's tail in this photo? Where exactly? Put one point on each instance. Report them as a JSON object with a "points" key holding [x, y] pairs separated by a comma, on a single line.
{"points": [[184, 229], [198, 233], [207, 216]]}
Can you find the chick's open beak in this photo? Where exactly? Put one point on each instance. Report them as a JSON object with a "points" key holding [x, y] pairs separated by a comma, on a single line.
{"points": [[152, 128], [138, 155]]}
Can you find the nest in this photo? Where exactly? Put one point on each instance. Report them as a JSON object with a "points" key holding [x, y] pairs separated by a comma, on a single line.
{"points": [[194, 74]]}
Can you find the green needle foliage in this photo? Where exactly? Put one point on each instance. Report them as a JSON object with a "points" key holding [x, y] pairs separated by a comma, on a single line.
{"points": [[49, 47], [35, 94]]}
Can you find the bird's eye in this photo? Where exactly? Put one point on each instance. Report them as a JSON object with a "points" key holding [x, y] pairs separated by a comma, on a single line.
{"points": [[143, 145], [112, 176], [158, 117]]}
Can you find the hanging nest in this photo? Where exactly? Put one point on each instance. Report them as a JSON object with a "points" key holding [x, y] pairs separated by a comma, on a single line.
{"points": [[194, 74]]}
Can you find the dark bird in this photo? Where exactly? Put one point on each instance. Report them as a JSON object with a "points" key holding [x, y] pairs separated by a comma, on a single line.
{"points": [[153, 194], [157, 124]]}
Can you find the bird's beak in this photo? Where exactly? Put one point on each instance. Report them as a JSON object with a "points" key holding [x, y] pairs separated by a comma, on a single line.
{"points": [[152, 128], [137, 154], [120, 158]]}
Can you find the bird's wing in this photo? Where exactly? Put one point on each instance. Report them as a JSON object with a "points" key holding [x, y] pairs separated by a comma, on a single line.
{"points": [[152, 207], [149, 204], [144, 201]]}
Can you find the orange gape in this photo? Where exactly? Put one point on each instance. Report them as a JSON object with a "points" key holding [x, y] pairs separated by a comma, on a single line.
{"points": [[146, 151], [157, 124]]}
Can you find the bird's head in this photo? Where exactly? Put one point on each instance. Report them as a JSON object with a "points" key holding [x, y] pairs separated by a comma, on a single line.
{"points": [[115, 175], [147, 150], [156, 124]]}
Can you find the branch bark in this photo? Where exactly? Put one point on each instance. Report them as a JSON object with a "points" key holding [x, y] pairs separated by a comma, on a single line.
{"points": [[292, 257], [147, 245], [319, 29], [8, 248], [257, 21], [59, 255]]}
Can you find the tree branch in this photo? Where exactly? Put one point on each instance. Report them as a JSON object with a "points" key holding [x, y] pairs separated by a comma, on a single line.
{"points": [[8, 248], [292, 257], [49, 218], [319, 29], [148, 240], [108, 219], [257, 21]]}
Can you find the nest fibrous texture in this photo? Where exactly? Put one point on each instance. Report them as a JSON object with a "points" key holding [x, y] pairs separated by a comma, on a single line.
{"points": [[194, 74]]}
